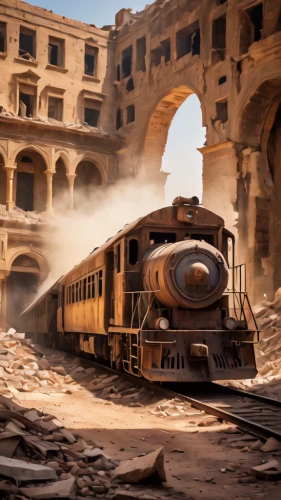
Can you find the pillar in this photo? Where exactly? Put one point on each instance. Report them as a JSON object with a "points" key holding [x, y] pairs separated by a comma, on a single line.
{"points": [[49, 174], [71, 179], [3, 319], [10, 186]]}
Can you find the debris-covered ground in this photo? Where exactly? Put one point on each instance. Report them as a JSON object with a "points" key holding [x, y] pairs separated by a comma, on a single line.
{"points": [[91, 434]]}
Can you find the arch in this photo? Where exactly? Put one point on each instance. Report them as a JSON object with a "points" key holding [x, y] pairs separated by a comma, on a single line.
{"points": [[154, 138], [64, 157], [87, 180], [89, 157], [32, 147], [34, 253], [30, 184], [253, 104]]}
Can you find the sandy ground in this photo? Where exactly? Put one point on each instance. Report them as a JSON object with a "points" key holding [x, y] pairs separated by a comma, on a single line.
{"points": [[194, 456]]}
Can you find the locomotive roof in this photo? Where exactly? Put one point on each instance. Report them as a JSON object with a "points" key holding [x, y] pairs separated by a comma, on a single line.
{"points": [[166, 216], [162, 217]]}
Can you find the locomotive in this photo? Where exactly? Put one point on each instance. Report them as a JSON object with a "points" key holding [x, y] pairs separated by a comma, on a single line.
{"points": [[163, 300]]}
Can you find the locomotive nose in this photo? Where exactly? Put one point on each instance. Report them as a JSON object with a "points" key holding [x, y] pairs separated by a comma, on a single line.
{"points": [[197, 274]]}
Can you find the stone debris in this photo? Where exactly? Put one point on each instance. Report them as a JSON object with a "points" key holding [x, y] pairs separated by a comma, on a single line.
{"points": [[270, 470], [271, 445], [140, 468], [39, 457]]}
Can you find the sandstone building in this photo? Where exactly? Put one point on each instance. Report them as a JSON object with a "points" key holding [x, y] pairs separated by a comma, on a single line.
{"points": [[81, 107]]}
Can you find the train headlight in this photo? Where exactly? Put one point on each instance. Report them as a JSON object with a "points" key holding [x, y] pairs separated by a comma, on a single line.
{"points": [[190, 214], [230, 323], [162, 323]]}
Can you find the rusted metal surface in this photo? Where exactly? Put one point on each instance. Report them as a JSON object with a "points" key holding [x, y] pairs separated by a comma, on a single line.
{"points": [[161, 286]]}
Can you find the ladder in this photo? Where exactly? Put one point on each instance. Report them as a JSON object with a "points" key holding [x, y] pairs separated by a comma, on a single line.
{"points": [[131, 356]]}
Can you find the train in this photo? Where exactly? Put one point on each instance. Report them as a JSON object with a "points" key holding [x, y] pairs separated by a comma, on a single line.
{"points": [[162, 299]]}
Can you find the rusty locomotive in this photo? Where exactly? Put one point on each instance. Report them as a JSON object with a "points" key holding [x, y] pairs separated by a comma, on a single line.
{"points": [[162, 299]]}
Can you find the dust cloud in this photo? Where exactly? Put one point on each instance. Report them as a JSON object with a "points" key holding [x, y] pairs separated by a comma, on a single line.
{"points": [[74, 234]]}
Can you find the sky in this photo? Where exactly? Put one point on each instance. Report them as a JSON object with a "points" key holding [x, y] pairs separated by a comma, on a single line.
{"points": [[181, 159]]}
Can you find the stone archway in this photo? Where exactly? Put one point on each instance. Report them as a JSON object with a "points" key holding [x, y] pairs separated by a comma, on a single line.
{"points": [[259, 198], [22, 287], [30, 186], [88, 179]]}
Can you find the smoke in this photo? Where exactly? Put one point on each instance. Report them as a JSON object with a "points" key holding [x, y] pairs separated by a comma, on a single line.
{"points": [[74, 234]]}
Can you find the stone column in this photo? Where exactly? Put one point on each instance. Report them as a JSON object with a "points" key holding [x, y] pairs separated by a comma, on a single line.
{"points": [[3, 318], [49, 174], [71, 179], [10, 186]]}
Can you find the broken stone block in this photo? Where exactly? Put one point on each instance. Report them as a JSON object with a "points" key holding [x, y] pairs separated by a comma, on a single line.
{"points": [[43, 364], [24, 471], [8, 443], [42, 446], [61, 489], [68, 436], [60, 370], [134, 471], [270, 470], [271, 445]]}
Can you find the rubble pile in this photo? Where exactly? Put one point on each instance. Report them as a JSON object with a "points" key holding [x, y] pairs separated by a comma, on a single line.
{"points": [[19, 215], [40, 458], [268, 352]]}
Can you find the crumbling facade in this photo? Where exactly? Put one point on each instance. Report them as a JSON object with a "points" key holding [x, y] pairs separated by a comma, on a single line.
{"points": [[228, 54], [81, 107], [57, 132]]}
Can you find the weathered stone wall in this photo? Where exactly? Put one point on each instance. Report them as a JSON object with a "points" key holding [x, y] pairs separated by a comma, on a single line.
{"points": [[228, 54]]}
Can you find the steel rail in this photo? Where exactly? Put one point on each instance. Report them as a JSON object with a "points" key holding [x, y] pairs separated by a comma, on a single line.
{"points": [[249, 426]]}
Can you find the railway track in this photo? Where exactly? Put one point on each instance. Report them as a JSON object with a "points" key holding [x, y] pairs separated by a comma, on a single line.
{"points": [[254, 414]]}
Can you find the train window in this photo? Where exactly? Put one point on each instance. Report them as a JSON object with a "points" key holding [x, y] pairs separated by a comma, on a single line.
{"points": [[162, 238], [118, 257], [133, 252], [89, 280], [93, 286], [100, 283], [77, 292], [73, 294], [80, 291], [208, 238], [84, 289]]}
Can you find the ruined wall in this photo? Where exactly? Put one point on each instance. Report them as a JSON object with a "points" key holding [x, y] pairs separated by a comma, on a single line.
{"points": [[228, 54]]}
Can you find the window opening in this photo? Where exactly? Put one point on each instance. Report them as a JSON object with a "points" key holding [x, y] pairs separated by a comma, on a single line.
{"points": [[100, 283], [84, 295], [130, 113], [27, 43], [25, 191], [91, 116], [3, 29], [222, 111], [188, 40], [141, 53], [73, 294], [208, 238], [89, 281], [166, 44], [93, 286], [118, 257], [77, 293], [55, 108], [251, 27], [133, 252], [222, 80], [130, 85], [219, 34], [56, 52], [156, 238], [26, 159], [91, 54], [26, 104], [119, 119], [127, 57]]}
